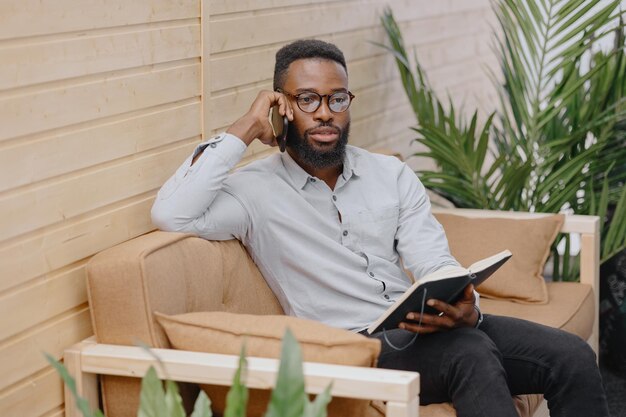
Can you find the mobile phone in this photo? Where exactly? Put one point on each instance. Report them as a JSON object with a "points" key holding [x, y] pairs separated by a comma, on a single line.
{"points": [[279, 127]]}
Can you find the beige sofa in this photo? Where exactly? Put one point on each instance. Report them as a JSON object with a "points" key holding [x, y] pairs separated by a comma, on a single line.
{"points": [[175, 273]]}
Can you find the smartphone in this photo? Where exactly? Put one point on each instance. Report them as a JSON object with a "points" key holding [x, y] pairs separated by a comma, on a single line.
{"points": [[279, 126]]}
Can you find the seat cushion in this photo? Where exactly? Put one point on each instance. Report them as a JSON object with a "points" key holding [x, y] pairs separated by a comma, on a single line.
{"points": [[571, 308], [526, 405], [520, 279], [225, 333]]}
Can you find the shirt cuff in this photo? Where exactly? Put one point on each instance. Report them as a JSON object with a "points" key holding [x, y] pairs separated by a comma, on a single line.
{"points": [[227, 147]]}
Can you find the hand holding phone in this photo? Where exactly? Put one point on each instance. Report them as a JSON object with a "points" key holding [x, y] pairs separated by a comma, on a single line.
{"points": [[279, 127]]}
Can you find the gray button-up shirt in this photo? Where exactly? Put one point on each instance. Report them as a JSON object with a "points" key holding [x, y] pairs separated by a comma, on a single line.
{"points": [[329, 255]]}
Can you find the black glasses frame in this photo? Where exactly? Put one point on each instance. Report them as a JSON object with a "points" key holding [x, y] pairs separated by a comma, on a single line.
{"points": [[321, 96]]}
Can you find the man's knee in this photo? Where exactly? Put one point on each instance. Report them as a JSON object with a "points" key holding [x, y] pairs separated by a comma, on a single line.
{"points": [[470, 357], [474, 347], [572, 349]]}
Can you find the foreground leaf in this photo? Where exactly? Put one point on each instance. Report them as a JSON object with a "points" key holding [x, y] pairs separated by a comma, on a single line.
{"points": [[237, 397], [202, 407], [288, 397], [318, 408], [152, 398], [173, 401]]}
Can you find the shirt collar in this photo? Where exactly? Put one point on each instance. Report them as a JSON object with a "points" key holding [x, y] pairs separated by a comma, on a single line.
{"points": [[300, 177]]}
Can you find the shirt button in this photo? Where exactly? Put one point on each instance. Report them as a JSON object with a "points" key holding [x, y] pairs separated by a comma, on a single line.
{"points": [[213, 145], [386, 296], [312, 179], [334, 198], [371, 274], [345, 233]]}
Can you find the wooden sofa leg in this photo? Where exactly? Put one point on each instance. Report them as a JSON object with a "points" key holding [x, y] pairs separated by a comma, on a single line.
{"points": [[86, 383], [398, 409]]}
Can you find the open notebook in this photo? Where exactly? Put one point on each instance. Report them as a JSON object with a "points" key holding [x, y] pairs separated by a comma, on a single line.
{"points": [[445, 284]]}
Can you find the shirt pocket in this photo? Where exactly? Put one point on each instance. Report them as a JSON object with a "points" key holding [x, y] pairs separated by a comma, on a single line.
{"points": [[376, 230]]}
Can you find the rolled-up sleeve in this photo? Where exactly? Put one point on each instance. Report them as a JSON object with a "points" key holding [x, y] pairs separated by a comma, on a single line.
{"points": [[193, 200], [421, 240]]}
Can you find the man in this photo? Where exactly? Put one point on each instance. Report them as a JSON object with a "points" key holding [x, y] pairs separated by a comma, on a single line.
{"points": [[329, 224]]}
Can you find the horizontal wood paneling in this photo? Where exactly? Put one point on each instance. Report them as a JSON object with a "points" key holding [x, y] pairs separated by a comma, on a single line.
{"points": [[101, 101], [280, 26], [23, 356], [59, 200], [84, 55], [25, 18], [254, 65], [30, 161], [367, 132], [219, 7], [25, 308], [46, 387], [70, 242], [48, 109], [413, 9]]}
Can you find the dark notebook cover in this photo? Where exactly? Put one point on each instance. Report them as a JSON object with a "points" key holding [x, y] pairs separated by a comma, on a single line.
{"points": [[448, 288]]}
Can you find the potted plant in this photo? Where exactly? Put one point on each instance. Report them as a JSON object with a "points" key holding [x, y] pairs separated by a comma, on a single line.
{"points": [[558, 138]]}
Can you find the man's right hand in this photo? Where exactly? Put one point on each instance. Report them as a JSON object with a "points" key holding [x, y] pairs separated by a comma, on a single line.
{"points": [[255, 123]]}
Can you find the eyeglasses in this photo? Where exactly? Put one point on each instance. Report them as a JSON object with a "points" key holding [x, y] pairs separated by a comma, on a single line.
{"points": [[310, 101]]}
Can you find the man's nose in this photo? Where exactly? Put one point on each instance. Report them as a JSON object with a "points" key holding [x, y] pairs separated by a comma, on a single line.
{"points": [[323, 112]]}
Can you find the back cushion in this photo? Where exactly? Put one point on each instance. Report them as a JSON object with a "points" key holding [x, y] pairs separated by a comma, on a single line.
{"points": [[520, 279]]}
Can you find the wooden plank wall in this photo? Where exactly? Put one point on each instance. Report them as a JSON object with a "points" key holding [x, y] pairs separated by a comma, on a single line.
{"points": [[100, 100]]}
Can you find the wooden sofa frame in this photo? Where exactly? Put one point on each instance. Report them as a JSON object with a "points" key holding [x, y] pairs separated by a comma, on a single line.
{"points": [[399, 389]]}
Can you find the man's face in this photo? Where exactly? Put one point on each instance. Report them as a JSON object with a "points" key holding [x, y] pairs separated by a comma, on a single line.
{"points": [[317, 139]]}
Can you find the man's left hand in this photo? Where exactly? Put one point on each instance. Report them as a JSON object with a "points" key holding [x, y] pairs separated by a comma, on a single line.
{"points": [[461, 314]]}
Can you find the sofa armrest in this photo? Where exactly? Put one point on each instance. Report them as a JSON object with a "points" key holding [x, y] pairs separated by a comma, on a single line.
{"points": [[589, 229], [400, 389]]}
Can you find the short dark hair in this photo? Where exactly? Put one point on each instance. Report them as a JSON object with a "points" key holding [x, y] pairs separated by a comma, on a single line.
{"points": [[303, 49]]}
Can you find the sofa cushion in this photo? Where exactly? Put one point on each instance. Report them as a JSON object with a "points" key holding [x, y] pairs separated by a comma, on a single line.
{"points": [[221, 332], [520, 279], [571, 308]]}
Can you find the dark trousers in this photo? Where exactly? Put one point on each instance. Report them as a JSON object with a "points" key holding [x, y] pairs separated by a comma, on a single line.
{"points": [[479, 369]]}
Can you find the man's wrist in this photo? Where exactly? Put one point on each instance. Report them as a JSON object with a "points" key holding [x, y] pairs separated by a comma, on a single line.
{"points": [[245, 129]]}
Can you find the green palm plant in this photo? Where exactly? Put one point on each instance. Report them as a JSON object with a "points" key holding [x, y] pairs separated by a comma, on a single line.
{"points": [[557, 140]]}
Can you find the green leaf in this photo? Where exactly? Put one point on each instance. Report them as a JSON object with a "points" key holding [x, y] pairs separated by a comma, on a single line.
{"points": [[573, 16], [152, 401], [560, 126], [615, 240], [202, 407], [288, 398], [237, 397], [566, 258], [318, 407], [173, 401]]}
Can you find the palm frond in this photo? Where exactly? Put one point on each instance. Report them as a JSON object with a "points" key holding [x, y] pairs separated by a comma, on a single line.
{"points": [[558, 140]]}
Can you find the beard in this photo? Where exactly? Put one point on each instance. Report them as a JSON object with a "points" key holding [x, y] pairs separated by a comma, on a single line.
{"points": [[317, 158]]}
